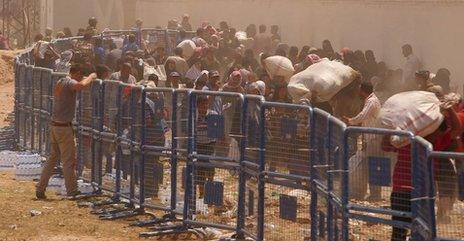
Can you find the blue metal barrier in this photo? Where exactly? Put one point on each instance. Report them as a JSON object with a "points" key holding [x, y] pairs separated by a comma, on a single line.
{"points": [[284, 201], [44, 111], [373, 217], [335, 175], [422, 194], [445, 205], [159, 182], [247, 222], [318, 173], [20, 111], [213, 163]]}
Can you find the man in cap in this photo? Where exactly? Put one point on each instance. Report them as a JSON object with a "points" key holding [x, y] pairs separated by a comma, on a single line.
{"points": [[173, 80], [63, 146]]}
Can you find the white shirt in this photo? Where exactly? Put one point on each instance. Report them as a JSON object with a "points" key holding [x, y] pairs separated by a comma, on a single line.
{"points": [[368, 116], [411, 65]]}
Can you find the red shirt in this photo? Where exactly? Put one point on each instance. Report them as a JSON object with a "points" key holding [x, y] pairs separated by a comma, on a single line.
{"points": [[402, 171]]}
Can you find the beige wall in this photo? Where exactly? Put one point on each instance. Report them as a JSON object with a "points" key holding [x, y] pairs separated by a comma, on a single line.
{"points": [[432, 27], [75, 13]]}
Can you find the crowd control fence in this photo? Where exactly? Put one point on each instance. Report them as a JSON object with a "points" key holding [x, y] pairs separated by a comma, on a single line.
{"points": [[245, 166]]}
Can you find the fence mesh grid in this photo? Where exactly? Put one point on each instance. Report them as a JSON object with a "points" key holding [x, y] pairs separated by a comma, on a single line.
{"points": [[109, 135], [217, 137], [157, 147], [449, 203]]}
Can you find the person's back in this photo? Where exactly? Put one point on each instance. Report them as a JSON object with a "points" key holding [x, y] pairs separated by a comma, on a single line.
{"points": [[262, 41], [411, 65]]}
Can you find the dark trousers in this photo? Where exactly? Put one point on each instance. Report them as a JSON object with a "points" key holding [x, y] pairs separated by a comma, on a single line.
{"points": [[400, 202]]}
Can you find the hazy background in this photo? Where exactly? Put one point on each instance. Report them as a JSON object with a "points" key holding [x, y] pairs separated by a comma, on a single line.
{"points": [[433, 28]]}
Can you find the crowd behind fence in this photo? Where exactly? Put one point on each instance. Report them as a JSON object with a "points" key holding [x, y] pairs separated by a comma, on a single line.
{"points": [[258, 169]]}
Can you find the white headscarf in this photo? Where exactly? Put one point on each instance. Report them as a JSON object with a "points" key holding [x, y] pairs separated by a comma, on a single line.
{"points": [[259, 85]]}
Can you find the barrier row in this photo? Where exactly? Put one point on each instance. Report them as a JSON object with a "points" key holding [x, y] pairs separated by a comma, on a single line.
{"points": [[257, 169]]}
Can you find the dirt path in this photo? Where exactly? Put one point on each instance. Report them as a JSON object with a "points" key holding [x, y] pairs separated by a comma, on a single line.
{"points": [[60, 219]]}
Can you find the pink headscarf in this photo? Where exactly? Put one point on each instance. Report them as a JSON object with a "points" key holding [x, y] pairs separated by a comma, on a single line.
{"points": [[345, 50], [313, 58]]}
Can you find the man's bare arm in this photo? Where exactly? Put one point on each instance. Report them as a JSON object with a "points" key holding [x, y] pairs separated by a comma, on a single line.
{"points": [[85, 82]]}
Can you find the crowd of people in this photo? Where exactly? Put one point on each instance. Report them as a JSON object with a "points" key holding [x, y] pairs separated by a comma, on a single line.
{"points": [[224, 62]]}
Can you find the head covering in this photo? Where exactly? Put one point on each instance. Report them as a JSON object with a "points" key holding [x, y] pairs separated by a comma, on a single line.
{"points": [[213, 73], [230, 82], [423, 74], [313, 58], [345, 50], [147, 83], [450, 100], [236, 73], [258, 85], [174, 74], [313, 50]]}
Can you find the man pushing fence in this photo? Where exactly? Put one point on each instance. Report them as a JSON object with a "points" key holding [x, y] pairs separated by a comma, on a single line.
{"points": [[63, 145]]}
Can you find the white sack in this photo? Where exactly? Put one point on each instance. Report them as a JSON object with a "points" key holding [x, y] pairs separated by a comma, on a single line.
{"points": [[157, 70], [279, 66], [188, 48], [181, 65], [243, 39], [327, 78], [414, 111]]}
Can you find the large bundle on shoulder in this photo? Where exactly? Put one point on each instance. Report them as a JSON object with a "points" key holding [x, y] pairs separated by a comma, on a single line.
{"points": [[326, 78], [188, 48], [415, 111], [181, 65], [279, 66], [243, 39]]}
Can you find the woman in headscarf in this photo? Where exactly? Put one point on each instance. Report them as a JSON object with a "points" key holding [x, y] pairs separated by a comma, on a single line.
{"points": [[308, 61], [231, 109], [303, 53], [371, 64], [328, 50]]}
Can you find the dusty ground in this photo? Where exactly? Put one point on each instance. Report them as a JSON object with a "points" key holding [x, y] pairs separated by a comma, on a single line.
{"points": [[60, 219]]}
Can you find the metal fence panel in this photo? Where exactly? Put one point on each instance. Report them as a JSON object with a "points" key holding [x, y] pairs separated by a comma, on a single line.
{"points": [[108, 136], [319, 166], [386, 170], [45, 112], [448, 180], [250, 162], [20, 117], [212, 169], [156, 148], [87, 120], [286, 172], [36, 105], [335, 174]]}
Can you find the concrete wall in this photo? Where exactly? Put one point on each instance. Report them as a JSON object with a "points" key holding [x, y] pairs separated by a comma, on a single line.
{"points": [[75, 13], [432, 27]]}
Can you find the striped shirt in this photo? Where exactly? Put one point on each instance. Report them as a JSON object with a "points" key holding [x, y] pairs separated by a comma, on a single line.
{"points": [[368, 116]]}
